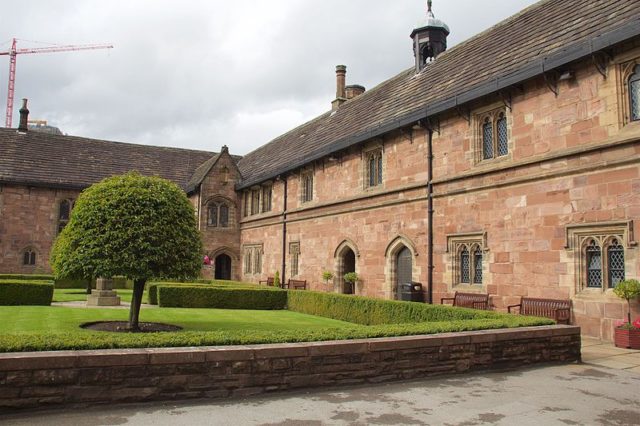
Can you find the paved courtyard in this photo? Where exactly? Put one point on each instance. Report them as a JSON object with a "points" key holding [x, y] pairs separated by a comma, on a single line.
{"points": [[604, 390]]}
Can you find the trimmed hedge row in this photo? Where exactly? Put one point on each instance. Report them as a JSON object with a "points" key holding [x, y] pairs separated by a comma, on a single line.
{"points": [[152, 287], [21, 292], [367, 311], [58, 283], [227, 297], [82, 340]]}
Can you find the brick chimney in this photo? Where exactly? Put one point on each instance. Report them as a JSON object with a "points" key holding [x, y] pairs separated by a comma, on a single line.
{"points": [[24, 117], [341, 81], [354, 90]]}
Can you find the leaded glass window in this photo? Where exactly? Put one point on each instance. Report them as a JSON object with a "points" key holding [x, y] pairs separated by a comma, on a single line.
{"points": [[487, 139], [29, 258], [247, 261], [257, 258], [267, 192], [634, 94], [465, 264], [224, 216], [373, 169], [307, 187], [213, 215], [63, 214], [594, 265], [615, 263], [255, 201], [503, 138], [477, 266]]}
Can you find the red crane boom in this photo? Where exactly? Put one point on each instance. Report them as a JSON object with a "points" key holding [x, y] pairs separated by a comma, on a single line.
{"points": [[13, 52]]}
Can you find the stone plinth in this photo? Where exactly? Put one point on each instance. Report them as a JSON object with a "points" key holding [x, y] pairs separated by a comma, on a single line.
{"points": [[103, 295]]}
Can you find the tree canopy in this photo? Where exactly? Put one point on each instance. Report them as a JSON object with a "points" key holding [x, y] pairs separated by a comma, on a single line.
{"points": [[130, 225]]}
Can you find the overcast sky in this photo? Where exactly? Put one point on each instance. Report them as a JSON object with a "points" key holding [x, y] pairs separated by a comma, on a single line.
{"points": [[202, 74]]}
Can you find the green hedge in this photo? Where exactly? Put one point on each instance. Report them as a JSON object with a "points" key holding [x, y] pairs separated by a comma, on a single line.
{"points": [[22, 292], [27, 277], [221, 297], [152, 287], [367, 311]]}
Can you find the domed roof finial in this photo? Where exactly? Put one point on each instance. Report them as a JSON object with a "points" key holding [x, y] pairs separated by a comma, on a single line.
{"points": [[429, 11]]}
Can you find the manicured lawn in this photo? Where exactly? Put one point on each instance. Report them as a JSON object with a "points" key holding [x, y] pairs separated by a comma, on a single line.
{"points": [[43, 319]]}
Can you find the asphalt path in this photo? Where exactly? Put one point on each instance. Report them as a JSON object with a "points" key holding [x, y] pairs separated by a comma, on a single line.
{"points": [[575, 394]]}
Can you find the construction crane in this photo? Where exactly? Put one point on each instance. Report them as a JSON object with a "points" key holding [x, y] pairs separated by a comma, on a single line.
{"points": [[14, 52]]}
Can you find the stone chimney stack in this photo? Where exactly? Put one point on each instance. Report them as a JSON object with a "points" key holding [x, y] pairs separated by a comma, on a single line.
{"points": [[341, 82], [24, 117]]}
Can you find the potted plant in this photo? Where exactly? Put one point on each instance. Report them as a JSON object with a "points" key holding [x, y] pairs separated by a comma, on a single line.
{"points": [[627, 334], [351, 278], [326, 276]]}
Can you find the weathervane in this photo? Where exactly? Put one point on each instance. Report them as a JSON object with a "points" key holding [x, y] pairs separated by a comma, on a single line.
{"points": [[429, 11]]}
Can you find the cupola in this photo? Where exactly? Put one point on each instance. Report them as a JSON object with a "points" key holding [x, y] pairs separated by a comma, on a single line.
{"points": [[429, 39]]}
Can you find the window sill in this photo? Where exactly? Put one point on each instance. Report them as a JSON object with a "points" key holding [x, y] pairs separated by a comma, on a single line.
{"points": [[470, 288]]}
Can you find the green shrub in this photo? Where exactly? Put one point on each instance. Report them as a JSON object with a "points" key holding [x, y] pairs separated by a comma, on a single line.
{"points": [[28, 277], [152, 288], [22, 292], [367, 311], [221, 297]]}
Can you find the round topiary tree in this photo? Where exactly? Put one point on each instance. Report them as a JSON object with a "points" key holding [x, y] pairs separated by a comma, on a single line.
{"points": [[130, 225]]}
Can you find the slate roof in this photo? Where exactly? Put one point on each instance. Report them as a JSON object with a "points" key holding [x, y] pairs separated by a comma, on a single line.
{"points": [[544, 36], [42, 159]]}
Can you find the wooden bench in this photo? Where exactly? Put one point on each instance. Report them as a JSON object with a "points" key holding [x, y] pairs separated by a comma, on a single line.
{"points": [[269, 281], [556, 309], [468, 300], [296, 284]]}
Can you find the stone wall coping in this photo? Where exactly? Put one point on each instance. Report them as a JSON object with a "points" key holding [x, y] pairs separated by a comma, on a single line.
{"points": [[23, 361]]}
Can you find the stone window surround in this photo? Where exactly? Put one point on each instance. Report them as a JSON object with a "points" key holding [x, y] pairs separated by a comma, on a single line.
{"points": [[294, 253], [252, 258], [375, 149], [492, 112], [577, 236], [218, 202], [624, 68], [455, 242], [32, 254], [391, 259], [253, 205], [306, 197], [62, 221]]}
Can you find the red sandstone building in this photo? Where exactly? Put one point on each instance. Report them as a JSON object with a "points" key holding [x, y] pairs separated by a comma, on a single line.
{"points": [[508, 165]]}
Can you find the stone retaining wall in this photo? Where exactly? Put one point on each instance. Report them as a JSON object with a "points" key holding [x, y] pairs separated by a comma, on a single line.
{"points": [[41, 379]]}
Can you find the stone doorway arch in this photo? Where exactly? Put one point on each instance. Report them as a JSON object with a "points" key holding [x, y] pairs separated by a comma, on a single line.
{"points": [[400, 265], [222, 267], [345, 258]]}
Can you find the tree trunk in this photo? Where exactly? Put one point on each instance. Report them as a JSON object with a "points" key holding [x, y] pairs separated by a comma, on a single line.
{"points": [[136, 301]]}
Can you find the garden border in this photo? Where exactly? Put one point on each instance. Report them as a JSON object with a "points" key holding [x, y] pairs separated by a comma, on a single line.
{"points": [[72, 378]]}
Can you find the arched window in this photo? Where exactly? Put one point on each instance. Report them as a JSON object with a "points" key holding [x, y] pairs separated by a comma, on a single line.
{"points": [[465, 266], [224, 216], [477, 265], [487, 139], [634, 94], [594, 265], [615, 263], [219, 213], [503, 136], [29, 257], [307, 187], [64, 213]]}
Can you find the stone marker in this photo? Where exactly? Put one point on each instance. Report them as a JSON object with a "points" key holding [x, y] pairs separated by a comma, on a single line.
{"points": [[103, 295]]}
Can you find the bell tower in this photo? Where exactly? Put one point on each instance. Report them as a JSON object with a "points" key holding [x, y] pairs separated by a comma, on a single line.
{"points": [[429, 39]]}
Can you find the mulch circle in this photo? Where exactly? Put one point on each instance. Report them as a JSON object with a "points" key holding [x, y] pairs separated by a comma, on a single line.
{"points": [[123, 327]]}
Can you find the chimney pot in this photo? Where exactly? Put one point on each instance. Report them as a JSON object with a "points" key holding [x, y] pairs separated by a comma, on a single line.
{"points": [[24, 117]]}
